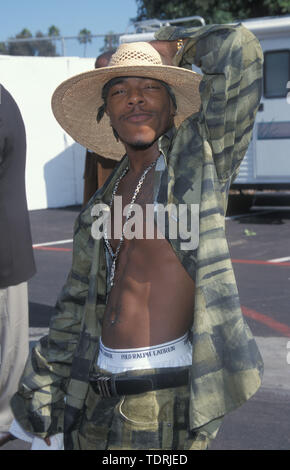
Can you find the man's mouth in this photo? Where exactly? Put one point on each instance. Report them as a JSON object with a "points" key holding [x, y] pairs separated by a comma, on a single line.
{"points": [[138, 117]]}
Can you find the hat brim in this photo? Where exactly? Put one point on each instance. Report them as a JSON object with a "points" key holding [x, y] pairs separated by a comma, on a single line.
{"points": [[76, 101]]}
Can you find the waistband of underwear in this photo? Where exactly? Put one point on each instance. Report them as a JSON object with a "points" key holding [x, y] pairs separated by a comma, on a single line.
{"points": [[176, 352]]}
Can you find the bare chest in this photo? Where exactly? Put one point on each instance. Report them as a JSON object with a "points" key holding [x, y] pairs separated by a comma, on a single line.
{"points": [[130, 206]]}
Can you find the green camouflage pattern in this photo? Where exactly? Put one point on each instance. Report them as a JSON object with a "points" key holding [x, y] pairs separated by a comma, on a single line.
{"points": [[149, 421], [202, 158]]}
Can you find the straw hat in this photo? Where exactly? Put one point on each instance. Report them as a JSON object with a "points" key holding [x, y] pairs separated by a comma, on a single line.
{"points": [[76, 101]]}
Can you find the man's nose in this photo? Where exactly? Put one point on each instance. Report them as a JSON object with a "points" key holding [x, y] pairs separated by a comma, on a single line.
{"points": [[135, 96]]}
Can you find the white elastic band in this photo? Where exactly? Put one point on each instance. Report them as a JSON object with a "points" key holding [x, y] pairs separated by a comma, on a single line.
{"points": [[175, 353]]}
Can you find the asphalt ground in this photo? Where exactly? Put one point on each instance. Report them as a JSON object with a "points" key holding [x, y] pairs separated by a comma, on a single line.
{"points": [[258, 233]]}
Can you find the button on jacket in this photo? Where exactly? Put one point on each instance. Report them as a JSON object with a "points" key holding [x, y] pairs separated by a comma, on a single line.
{"points": [[201, 159]]}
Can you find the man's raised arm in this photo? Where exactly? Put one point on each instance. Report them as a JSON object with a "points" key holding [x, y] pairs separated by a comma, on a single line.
{"points": [[231, 59]]}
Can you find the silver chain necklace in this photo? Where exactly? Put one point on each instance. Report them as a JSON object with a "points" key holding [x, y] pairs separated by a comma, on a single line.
{"points": [[115, 255]]}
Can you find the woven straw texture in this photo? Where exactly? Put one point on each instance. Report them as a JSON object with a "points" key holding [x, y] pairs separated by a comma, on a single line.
{"points": [[76, 101]]}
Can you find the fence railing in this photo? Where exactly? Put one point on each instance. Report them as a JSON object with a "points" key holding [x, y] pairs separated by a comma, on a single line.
{"points": [[92, 44], [64, 42]]}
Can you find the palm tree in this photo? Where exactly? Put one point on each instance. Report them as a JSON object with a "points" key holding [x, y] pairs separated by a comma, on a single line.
{"points": [[111, 42], [53, 31], [22, 48], [84, 37]]}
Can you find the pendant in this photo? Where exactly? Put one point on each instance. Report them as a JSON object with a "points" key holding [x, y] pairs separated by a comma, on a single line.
{"points": [[112, 274]]}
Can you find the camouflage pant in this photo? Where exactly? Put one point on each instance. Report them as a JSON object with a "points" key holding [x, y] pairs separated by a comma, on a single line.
{"points": [[148, 421]]}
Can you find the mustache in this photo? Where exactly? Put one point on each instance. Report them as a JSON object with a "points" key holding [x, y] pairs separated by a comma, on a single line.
{"points": [[136, 111]]}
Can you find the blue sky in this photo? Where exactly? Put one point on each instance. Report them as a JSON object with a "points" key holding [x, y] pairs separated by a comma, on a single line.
{"points": [[70, 16]]}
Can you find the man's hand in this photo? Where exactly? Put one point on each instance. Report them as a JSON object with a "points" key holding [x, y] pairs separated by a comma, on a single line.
{"points": [[167, 50]]}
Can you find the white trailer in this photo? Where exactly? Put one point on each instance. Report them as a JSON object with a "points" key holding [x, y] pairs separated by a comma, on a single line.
{"points": [[267, 162]]}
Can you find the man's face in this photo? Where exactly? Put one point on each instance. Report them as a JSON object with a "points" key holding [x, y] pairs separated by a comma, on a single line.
{"points": [[140, 110]]}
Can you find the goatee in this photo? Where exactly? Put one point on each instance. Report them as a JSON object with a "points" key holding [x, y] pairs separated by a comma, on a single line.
{"points": [[141, 145]]}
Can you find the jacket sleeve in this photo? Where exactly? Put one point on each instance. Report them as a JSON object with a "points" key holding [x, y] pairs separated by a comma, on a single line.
{"points": [[3, 133], [39, 402], [231, 59], [2, 148]]}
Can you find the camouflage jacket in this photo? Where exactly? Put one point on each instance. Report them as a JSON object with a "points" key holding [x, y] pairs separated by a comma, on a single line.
{"points": [[202, 158]]}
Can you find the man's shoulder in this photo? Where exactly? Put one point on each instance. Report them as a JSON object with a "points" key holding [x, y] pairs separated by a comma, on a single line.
{"points": [[10, 114], [188, 136], [82, 229], [7, 101]]}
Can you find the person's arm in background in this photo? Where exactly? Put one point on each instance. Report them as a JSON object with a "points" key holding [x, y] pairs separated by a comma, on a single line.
{"points": [[39, 403], [3, 131]]}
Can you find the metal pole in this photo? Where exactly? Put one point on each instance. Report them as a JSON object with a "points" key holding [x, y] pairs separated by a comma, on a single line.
{"points": [[63, 46]]}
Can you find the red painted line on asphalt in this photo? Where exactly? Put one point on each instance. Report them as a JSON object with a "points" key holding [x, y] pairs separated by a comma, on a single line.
{"points": [[268, 321], [257, 261], [49, 248]]}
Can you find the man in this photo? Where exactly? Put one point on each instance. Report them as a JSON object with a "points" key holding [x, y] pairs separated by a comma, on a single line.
{"points": [[97, 167], [149, 349], [16, 257]]}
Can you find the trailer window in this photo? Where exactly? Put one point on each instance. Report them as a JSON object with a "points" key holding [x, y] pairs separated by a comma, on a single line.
{"points": [[276, 73]]}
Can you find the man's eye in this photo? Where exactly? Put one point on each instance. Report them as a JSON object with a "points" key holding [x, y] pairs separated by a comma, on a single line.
{"points": [[118, 92]]}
